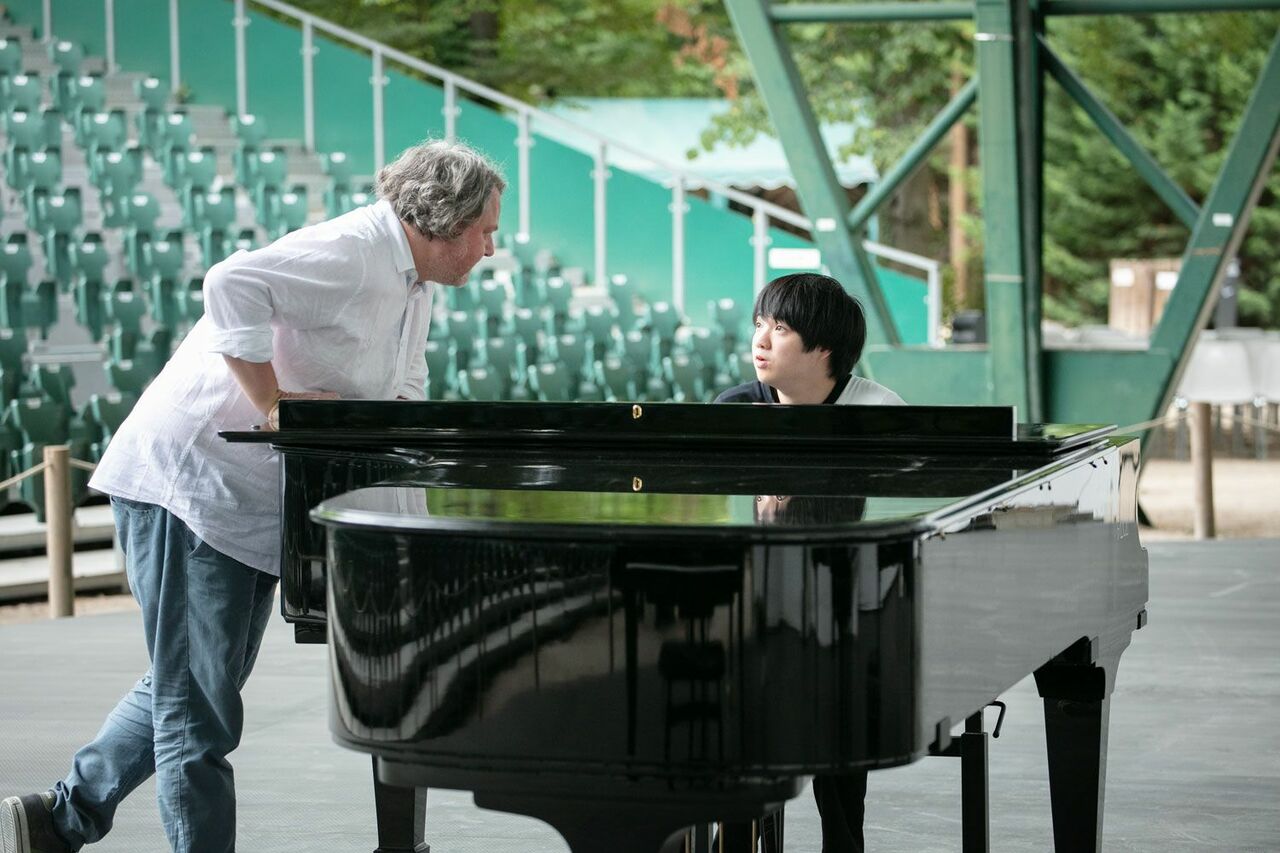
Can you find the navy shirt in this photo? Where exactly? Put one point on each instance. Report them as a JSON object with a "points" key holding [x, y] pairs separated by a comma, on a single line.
{"points": [[758, 392]]}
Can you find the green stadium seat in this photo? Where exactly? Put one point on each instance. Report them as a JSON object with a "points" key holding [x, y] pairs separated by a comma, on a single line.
{"points": [[268, 173], [175, 137], [67, 57], [551, 383], [140, 215], [88, 258], [79, 95], [164, 257], [440, 369], [250, 130], [13, 352], [10, 56], [40, 174], [103, 131], [664, 320], [32, 131], [190, 301], [286, 211], [506, 357], [337, 166], [600, 322], [87, 295], [21, 93], [570, 351], [118, 174], [53, 382], [730, 320], [15, 258], [195, 173], [556, 294], [480, 383], [215, 215], [615, 376], [465, 328], [104, 413], [529, 325], [58, 218], [463, 297], [129, 377], [125, 310], [623, 294], [155, 106], [494, 296], [638, 349], [40, 422], [153, 94], [706, 345], [40, 306]]}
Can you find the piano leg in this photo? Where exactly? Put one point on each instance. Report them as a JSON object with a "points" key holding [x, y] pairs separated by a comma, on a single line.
{"points": [[1077, 704], [402, 817]]}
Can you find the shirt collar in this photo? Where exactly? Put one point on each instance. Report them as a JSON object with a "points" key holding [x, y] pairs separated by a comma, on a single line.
{"points": [[390, 223]]}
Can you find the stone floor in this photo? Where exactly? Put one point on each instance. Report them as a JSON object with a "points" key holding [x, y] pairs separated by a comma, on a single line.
{"points": [[1192, 767]]}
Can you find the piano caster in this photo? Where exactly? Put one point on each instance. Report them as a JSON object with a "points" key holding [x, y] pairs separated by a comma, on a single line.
{"points": [[402, 817]]}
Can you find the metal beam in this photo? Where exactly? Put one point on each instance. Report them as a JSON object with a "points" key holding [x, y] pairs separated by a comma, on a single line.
{"points": [[1012, 378], [1172, 194], [825, 201], [1152, 7], [1029, 28], [832, 13], [915, 155], [1222, 224]]}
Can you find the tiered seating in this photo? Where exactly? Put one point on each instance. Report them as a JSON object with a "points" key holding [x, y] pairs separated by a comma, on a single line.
{"points": [[342, 194], [516, 334], [523, 337]]}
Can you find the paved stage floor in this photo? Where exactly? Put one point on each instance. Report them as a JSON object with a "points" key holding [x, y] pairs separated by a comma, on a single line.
{"points": [[1194, 763]]}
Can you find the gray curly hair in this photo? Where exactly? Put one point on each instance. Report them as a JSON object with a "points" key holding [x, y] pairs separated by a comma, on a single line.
{"points": [[439, 187]]}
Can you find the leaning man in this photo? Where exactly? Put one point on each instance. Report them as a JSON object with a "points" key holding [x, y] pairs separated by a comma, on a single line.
{"points": [[336, 310]]}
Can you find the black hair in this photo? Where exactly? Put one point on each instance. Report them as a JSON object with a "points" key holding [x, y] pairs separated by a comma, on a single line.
{"points": [[822, 312]]}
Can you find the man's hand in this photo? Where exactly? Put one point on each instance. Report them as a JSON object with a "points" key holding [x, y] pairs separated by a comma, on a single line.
{"points": [[273, 414]]}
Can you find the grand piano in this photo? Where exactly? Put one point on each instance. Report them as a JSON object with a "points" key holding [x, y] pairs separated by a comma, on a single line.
{"points": [[629, 620]]}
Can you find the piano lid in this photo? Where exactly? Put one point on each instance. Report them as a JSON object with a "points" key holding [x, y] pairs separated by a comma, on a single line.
{"points": [[965, 429]]}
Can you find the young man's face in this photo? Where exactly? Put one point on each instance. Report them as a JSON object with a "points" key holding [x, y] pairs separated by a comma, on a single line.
{"points": [[459, 255], [780, 359]]}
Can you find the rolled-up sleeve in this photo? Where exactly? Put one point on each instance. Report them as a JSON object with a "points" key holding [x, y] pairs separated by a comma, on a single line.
{"points": [[300, 284]]}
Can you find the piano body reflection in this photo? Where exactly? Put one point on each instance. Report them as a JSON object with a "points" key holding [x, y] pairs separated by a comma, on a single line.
{"points": [[625, 620]]}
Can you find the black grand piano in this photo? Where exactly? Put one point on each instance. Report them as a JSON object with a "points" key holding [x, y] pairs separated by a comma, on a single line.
{"points": [[627, 620]]}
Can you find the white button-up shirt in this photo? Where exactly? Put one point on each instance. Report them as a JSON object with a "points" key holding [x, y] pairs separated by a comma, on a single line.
{"points": [[334, 307]]}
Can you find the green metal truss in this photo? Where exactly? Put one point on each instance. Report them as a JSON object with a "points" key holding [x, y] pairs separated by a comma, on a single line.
{"points": [[1013, 59]]}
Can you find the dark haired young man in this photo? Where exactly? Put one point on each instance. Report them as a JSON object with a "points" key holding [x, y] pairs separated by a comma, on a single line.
{"points": [[809, 334]]}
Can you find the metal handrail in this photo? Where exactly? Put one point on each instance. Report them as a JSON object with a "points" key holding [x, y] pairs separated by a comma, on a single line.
{"points": [[525, 113]]}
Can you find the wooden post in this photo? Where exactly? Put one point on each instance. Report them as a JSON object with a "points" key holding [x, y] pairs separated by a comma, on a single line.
{"points": [[1202, 469], [57, 519]]}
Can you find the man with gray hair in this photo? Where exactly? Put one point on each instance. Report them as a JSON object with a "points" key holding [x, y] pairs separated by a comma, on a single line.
{"points": [[336, 310]]}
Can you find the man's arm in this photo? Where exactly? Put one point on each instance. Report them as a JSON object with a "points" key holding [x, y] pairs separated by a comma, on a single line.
{"points": [[258, 381]]}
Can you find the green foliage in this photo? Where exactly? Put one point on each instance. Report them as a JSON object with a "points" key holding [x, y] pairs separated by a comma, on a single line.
{"points": [[1180, 84], [537, 49]]}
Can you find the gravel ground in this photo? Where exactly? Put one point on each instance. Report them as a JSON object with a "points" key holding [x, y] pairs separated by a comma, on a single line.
{"points": [[1246, 498]]}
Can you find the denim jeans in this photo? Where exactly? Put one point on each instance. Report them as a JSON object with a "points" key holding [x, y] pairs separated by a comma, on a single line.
{"points": [[203, 616]]}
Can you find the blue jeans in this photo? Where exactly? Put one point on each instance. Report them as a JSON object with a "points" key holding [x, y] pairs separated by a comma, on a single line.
{"points": [[203, 615]]}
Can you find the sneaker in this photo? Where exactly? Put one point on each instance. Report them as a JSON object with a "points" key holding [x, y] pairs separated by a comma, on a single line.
{"points": [[26, 825]]}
